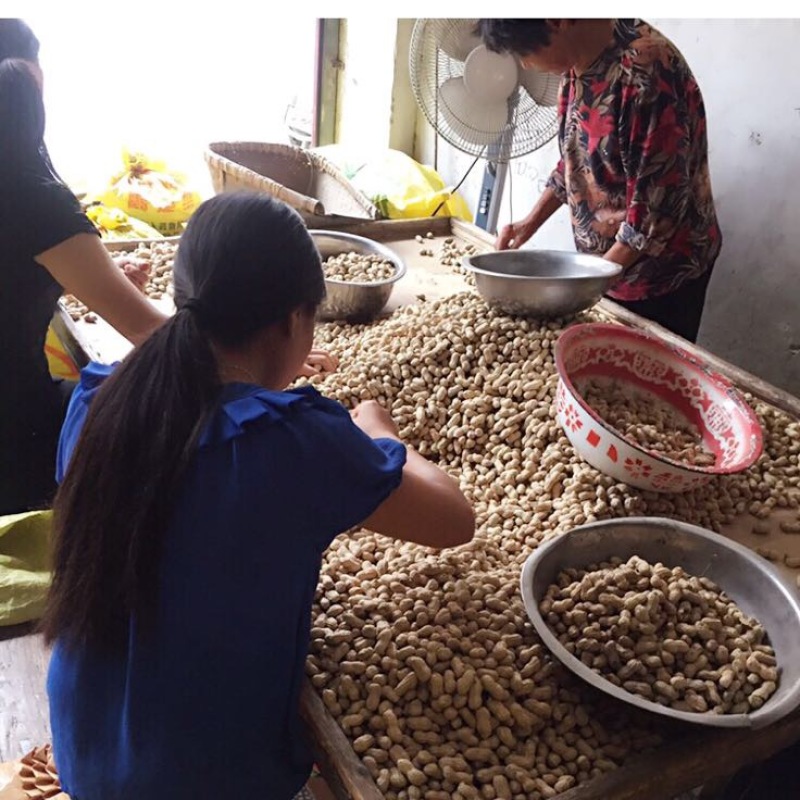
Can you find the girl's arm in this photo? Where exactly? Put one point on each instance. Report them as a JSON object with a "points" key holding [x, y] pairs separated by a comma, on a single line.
{"points": [[428, 507]]}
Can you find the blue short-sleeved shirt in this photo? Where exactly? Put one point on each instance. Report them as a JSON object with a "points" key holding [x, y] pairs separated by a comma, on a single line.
{"points": [[207, 706]]}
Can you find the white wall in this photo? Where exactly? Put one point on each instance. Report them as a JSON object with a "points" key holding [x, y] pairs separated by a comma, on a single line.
{"points": [[749, 73]]}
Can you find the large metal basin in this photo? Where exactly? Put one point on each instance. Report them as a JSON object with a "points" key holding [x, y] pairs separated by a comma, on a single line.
{"points": [[541, 283], [748, 579]]}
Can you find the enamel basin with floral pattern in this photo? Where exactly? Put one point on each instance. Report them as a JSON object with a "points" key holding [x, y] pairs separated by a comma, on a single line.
{"points": [[729, 427]]}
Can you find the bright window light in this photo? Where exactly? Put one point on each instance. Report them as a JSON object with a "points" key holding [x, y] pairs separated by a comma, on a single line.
{"points": [[168, 90]]}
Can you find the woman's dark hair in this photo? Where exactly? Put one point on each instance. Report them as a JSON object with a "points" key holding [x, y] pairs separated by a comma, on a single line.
{"points": [[21, 107], [21, 114], [17, 40], [245, 262], [518, 36]]}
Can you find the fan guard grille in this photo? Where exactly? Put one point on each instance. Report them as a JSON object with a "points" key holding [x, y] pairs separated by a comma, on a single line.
{"points": [[533, 125]]}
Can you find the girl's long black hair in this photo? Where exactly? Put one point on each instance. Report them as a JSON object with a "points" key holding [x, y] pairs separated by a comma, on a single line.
{"points": [[245, 262]]}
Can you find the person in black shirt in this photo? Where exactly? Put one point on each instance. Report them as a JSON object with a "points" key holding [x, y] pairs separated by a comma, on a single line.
{"points": [[47, 246]]}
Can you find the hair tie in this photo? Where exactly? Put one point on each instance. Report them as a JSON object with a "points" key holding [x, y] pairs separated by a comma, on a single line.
{"points": [[195, 306]]}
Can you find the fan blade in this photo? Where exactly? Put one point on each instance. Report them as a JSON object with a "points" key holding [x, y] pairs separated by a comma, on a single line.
{"points": [[541, 86], [455, 37], [478, 123], [490, 77]]}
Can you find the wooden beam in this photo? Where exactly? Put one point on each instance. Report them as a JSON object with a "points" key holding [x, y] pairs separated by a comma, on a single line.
{"points": [[756, 386], [342, 769], [326, 91], [381, 230], [403, 121]]}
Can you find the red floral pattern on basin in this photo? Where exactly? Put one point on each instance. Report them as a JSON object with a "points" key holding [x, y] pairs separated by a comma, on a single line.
{"points": [[571, 418], [637, 468], [729, 427]]}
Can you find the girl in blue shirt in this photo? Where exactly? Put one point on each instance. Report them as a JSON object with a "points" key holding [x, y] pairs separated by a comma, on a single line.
{"points": [[197, 497]]}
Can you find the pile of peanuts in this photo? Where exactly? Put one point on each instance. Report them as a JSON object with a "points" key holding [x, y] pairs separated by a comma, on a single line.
{"points": [[77, 310], [669, 637], [646, 421], [453, 251], [427, 659], [156, 259], [359, 268], [450, 254]]}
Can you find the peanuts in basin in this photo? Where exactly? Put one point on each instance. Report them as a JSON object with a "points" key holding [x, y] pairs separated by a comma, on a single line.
{"points": [[636, 613], [645, 421], [358, 267]]}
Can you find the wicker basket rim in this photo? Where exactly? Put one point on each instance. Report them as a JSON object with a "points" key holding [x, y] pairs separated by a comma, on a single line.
{"points": [[217, 154]]}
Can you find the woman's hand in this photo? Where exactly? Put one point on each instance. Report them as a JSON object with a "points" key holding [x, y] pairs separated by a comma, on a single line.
{"points": [[136, 270], [318, 362], [374, 420], [513, 236]]}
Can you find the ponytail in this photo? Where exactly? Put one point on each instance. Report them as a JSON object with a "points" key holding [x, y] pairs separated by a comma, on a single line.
{"points": [[245, 262], [109, 522]]}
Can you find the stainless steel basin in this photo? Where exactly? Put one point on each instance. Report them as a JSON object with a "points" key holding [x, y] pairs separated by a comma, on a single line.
{"points": [[749, 580], [541, 283], [351, 300]]}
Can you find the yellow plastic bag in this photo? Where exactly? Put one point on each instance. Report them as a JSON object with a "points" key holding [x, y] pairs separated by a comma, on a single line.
{"points": [[59, 361], [148, 191], [115, 225], [399, 186]]}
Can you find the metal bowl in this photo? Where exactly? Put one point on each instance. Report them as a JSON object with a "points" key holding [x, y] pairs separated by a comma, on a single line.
{"points": [[541, 283], [746, 578], [352, 300]]}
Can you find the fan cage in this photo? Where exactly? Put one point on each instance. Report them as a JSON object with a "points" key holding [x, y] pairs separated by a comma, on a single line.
{"points": [[532, 125]]}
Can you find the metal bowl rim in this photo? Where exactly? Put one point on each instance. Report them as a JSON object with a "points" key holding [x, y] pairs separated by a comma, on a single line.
{"points": [[577, 667], [606, 269], [381, 249]]}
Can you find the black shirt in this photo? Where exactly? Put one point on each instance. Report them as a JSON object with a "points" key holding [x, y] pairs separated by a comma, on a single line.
{"points": [[37, 212]]}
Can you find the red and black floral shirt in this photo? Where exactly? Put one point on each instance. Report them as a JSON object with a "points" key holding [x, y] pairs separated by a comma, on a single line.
{"points": [[634, 162]]}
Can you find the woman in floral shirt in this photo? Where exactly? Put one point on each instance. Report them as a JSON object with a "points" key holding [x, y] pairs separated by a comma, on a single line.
{"points": [[634, 159]]}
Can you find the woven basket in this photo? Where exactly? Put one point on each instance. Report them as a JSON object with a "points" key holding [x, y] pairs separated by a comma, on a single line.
{"points": [[302, 179], [34, 777]]}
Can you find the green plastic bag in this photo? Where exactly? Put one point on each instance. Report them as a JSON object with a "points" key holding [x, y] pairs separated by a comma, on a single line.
{"points": [[25, 565]]}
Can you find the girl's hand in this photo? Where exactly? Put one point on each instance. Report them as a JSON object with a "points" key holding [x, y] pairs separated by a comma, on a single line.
{"points": [[374, 420], [318, 362]]}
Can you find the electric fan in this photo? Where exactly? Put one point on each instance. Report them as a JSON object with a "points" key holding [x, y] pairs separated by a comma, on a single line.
{"points": [[482, 103]]}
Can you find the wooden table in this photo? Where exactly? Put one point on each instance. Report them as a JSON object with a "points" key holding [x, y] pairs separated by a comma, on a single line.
{"points": [[691, 756]]}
